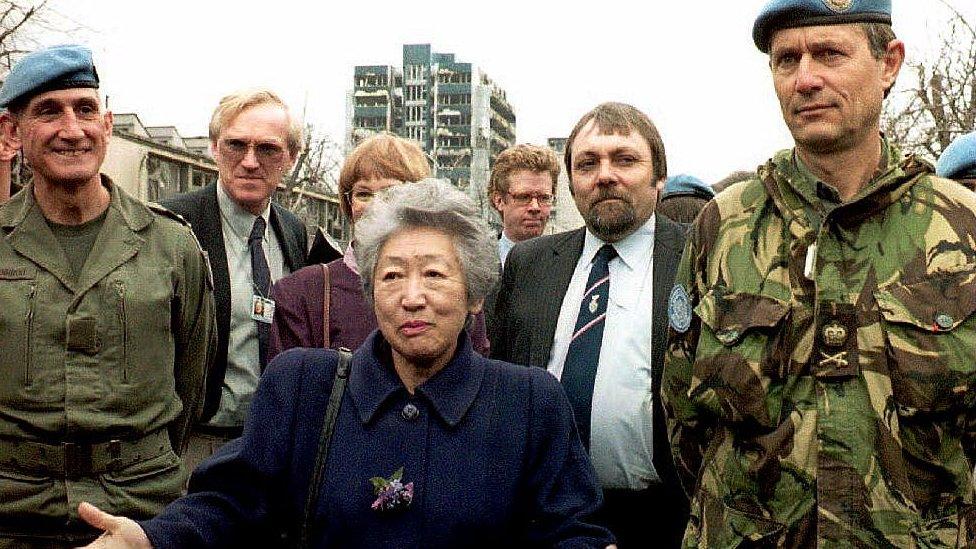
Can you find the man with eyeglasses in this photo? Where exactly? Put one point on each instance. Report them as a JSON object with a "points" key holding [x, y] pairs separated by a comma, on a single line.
{"points": [[590, 306], [522, 188], [251, 242]]}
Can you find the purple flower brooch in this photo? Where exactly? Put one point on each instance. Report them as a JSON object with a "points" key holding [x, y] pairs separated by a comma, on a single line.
{"points": [[391, 494]]}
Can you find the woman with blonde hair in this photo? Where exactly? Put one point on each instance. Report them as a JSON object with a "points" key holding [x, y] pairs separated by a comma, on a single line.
{"points": [[323, 305]]}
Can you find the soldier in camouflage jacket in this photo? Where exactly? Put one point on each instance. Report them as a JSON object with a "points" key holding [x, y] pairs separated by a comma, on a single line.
{"points": [[821, 375]]}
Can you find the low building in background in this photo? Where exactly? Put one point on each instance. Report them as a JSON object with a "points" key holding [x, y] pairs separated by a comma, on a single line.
{"points": [[154, 162]]}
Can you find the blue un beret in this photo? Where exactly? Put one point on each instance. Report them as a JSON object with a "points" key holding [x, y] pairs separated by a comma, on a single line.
{"points": [[786, 14], [687, 184], [54, 68], [958, 160]]}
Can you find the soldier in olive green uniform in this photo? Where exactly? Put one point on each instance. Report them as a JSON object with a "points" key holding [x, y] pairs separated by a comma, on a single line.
{"points": [[106, 320], [821, 374]]}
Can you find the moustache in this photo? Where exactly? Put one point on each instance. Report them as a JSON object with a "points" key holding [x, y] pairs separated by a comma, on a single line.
{"points": [[608, 194]]}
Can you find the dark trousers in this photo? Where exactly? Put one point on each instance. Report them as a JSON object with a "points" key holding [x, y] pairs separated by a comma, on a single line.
{"points": [[652, 518]]}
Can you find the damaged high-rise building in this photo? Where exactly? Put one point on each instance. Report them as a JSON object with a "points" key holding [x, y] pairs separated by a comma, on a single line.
{"points": [[460, 117]]}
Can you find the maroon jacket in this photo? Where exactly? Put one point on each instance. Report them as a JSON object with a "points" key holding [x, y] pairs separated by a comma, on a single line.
{"points": [[298, 311]]}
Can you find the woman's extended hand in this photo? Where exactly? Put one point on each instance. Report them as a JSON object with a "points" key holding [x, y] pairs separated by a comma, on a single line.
{"points": [[120, 532]]}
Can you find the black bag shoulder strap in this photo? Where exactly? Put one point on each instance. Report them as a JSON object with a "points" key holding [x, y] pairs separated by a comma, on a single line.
{"points": [[325, 439], [326, 312]]}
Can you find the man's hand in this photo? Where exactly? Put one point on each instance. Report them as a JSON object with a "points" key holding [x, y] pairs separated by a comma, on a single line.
{"points": [[120, 532]]}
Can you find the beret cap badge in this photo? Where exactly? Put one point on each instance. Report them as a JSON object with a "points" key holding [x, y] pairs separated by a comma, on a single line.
{"points": [[785, 14], [839, 6]]}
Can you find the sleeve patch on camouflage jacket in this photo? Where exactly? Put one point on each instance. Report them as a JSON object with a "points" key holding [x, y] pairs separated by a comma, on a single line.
{"points": [[679, 309]]}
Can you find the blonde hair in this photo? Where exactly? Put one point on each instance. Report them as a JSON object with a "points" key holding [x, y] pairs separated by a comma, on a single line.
{"points": [[381, 156], [236, 103], [527, 157]]}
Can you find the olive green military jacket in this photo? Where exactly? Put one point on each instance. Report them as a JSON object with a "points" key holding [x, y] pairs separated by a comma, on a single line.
{"points": [[118, 354], [819, 383]]}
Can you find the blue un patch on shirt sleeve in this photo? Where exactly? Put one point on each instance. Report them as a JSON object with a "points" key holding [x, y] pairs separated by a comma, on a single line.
{"points": [[679, 309]]}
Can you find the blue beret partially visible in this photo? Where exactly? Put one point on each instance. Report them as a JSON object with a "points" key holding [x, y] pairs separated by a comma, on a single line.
{"points": [[48, 69], [687, 184], [958, 160], [786, 14]]}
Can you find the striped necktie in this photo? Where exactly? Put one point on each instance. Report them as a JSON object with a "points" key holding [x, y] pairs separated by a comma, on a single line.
{"points": [[579, 370]]}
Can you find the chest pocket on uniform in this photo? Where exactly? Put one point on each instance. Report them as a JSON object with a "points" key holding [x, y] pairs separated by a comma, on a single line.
{"points": [[139, 303], [739, 354], [929, 340], [18, 305]]}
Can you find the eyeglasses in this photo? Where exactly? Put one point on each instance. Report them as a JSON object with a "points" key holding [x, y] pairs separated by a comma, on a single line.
{"points": [[524, 199], [236, 149]]}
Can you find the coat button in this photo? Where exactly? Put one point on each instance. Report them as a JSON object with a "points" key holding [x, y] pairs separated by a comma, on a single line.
{"points": [[410, 412], [944, 321]]}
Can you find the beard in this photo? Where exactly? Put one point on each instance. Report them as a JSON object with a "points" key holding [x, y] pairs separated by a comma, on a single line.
{"points": [[612, 221]]}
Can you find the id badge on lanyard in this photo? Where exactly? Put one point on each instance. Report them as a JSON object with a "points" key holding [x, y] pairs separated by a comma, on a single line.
{"points": [[262, 309]]}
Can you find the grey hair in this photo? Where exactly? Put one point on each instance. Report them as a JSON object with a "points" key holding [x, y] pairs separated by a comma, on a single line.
{"points": [[431, 204]]}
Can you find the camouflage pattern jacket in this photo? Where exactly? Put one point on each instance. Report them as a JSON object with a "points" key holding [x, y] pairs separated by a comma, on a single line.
{"points": [[819, 382]]}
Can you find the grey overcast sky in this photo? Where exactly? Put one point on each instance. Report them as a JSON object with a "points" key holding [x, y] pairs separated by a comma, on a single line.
{"points": [[691, 64]]}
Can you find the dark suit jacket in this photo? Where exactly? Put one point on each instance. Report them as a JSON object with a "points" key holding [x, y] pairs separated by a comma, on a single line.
{"points": [[536, 276], [201, 210]]}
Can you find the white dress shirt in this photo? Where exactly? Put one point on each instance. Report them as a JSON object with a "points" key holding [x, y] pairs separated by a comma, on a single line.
{"points": [[505, 245], [621, 445], [243, 366]]}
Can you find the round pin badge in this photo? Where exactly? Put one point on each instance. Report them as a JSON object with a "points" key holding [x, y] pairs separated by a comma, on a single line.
{"points": [[679, 309], [839, 6]]}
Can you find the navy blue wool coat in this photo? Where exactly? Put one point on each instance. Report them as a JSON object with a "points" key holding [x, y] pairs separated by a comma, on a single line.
{"points": [[493, 455]]}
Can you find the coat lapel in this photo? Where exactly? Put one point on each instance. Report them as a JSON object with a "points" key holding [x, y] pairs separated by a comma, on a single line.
{"points": [[210, 232], [668, 244], [552, 277], [291, 248], [117, 242]]}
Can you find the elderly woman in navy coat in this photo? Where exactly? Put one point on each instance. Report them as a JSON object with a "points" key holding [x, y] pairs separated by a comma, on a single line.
{"points": [[434, 445]]}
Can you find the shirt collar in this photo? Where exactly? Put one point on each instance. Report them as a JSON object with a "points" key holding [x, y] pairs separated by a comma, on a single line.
{"points": [[239, 219], [505, 245], [821, 193], [349, 258], [632, 249], [450, 392]]}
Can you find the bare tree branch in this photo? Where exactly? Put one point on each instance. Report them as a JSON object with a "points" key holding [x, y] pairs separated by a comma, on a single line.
{"points": [[316, 170], [25, 17], [940, 103]]}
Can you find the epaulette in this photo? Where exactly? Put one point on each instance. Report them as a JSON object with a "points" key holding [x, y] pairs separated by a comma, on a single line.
{"points": [[162, 210], [165, 212]]}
